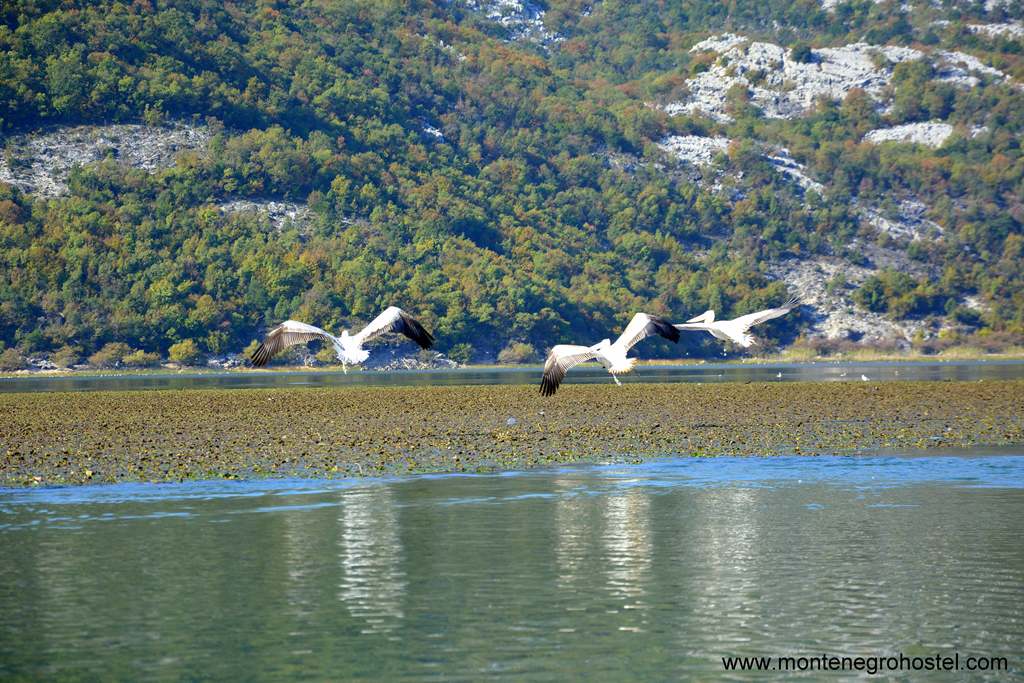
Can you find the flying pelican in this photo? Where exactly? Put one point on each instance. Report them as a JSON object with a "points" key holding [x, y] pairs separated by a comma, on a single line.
{"points": [[563, 357], [349, 348], [736, 330]]}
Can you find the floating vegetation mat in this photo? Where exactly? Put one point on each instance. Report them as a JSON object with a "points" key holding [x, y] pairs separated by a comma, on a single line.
{"points": [[80, 437]]}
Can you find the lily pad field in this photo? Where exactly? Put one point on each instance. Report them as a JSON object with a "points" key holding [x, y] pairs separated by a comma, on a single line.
{"points": [[102, 437]]}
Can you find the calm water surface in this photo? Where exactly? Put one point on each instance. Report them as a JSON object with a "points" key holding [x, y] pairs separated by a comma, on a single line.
{"points": [[648, 572], [586, 374]]}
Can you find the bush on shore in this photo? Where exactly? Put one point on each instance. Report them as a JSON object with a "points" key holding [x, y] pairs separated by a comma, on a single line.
{"points": [[517, 352]]}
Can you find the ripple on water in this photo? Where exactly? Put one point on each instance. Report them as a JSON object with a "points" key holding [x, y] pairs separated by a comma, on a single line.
{"points": [[652, 571]]}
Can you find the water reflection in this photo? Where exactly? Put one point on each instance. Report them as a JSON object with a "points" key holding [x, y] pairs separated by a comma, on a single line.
{"points": [[571, 523], [725, 561], [627, 544], [373, 581], [302, 563], [618, 573]]}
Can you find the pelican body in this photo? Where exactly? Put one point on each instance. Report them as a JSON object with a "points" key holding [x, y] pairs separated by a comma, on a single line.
{"points": [[736, 330], [611, 356], [347, 347]]}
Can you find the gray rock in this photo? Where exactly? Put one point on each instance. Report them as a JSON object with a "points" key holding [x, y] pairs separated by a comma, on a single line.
{"points": [[41, 161]]}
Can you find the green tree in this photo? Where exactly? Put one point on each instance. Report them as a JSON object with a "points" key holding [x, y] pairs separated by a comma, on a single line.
{"points": [[10, 360], [185, 352], [110, 356], [517, 352]]}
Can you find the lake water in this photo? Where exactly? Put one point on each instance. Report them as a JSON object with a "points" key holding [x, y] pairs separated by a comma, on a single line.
{"points": [[585, 374], [651, 572]]}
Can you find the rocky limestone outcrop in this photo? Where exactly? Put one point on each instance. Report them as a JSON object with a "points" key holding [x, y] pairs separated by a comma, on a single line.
{"points": [[523, 19], [278, 213], [834, 315], [695, 149], [930, 133], [783, 87], [784, 163], [39, 162], [394, 359], [701, 151], [907, 221], [1012, 29]]}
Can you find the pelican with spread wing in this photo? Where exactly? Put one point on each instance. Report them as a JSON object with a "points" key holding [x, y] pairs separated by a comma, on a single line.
{"points": [[736, 330], [563, 357], [349, 348]]}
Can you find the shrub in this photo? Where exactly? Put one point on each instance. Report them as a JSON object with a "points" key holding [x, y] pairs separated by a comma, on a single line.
{"points": [[251, 348], [517, 352], [326, 355], [66, 356], [185, 352], [141, 359], [11, 360], [461, 353], [110, 355], [801, 52]]}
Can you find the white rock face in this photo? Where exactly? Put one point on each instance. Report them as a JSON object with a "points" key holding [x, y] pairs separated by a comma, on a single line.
{"points": [[701, 151], [39, 163], [433, 132], [958, 68], [1013, 29], [784, 88], [780, 86], [907, 222], [695, 149], [523, 18], [785, 163], [837, 316], [829, 5], [278, 213], [451, 50], [930, 134], [975, 303]]}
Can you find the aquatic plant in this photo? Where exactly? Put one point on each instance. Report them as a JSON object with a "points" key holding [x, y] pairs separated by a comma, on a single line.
{"points": [[173, 435]]}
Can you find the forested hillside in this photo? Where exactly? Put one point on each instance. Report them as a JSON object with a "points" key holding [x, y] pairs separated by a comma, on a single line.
{"points": [[179, 175]]}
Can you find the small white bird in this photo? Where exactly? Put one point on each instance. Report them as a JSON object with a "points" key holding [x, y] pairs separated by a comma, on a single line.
{"points": [[563, 357], [349, 348], [736, 330], [864, 378], [779, 375]]}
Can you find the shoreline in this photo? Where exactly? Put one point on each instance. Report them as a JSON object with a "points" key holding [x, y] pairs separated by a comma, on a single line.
{"points": [[62, 438], [781, 360]]}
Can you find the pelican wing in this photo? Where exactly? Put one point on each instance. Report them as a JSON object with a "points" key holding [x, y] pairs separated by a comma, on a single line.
{"points": [[562, 358], [703, 317], [643, 326], [288, 333], [692, 326], [394, 319], [745, 322]]}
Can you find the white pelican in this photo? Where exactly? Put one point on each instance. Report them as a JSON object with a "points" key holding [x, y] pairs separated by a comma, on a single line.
{"points": [[736, 330], [563, 357], [349, 348]]}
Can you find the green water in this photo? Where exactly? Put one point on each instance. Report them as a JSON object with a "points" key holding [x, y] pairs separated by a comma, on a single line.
{"points": [[650, 572]]}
